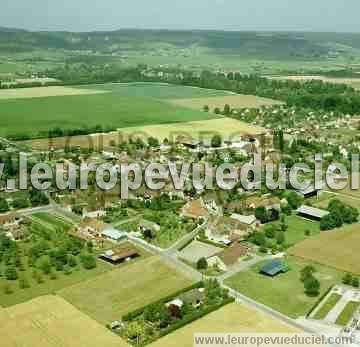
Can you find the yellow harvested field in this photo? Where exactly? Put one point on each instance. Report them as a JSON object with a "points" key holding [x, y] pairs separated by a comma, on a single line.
{"points": [[226, 127], [338, 249], [40, 92], [235, 101], [50, 321], [233, 318]]}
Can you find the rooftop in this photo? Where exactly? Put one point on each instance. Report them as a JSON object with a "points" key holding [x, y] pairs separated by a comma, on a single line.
{"points": [[274, 267], [244, 219], [312, 211]]}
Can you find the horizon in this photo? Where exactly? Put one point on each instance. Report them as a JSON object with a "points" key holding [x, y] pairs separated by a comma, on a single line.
{"points": [[284, 31], [223, 15]]}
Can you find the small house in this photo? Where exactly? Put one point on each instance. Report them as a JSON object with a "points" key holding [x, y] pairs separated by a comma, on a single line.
{"points": [[229, 256]]}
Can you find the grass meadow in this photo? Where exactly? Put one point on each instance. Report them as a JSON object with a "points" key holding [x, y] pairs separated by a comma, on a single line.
{"points": [[285, 292]]}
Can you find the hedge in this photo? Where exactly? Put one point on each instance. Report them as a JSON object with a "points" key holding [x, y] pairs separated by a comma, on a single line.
{"points": [[205, 240], [133, 314]]}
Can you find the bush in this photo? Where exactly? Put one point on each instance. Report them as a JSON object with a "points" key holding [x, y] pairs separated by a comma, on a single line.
{"points": [[88, 261], [355, 282], [312, 286], [347, 279], [11, 273], [202, 264]]}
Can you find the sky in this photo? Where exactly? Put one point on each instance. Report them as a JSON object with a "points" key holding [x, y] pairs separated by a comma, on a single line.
{"points": [[258, 15]]}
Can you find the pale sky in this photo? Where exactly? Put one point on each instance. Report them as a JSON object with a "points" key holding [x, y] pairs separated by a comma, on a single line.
{"points": [[259, 15]]}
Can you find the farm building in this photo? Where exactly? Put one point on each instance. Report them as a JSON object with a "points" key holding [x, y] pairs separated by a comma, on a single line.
{"points": [[309, 192], [274, 268], [118, 256], [311, 212], [229, 256], [250, 220], [113, 234]]}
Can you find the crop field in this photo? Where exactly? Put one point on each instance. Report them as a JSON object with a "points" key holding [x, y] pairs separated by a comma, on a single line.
{"points": [[110, 296], [40, 92], [33, 115], [50, 321], [287, 291], [235, 101], [156, 90], [226, 127], [338, 249], [232, 318]]}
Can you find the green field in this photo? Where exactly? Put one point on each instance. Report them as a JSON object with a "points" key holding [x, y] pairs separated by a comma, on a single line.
{"points": [[327, 306], [31, 116], [348, 312], [156, 90], [297, 227], [284, 293], [108, 297]]}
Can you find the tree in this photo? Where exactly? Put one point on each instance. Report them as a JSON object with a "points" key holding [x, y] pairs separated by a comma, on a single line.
{"points": [[347, 279], [307, 272], [280, 237], [259, 239], [44, 265], [294, 200], [312, 286], [202, 264], [270, 231], [261, 214], [38, 198], [355, 282], [134, 330], [153, 142], [216, 141], [88, 261], [227, 110], [217, 110], [20, 203], [11, 273], [4, 206], [206, 108]]}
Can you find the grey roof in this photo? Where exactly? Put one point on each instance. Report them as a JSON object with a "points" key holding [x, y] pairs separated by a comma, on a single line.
{"points": [[312, 211], [113, 233]]}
